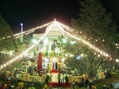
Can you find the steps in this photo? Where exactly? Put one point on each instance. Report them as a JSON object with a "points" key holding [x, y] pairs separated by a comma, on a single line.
{"points": [[55, 84]]}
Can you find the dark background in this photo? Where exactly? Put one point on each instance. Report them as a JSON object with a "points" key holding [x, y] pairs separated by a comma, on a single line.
{"points": [[35, 12]]}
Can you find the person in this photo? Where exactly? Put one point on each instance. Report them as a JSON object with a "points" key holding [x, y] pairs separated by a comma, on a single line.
{"points": [[16, 78], [9, 78], [30, 70], [86, 83], [82, 82], [16, 71], [47, 79], [45, 86], [97, 76], [2, 87], [79, 83], [5, 86], [63, 78], [50, 77], [3, 77], [59, 79], [42, 84], [9, 87], [66, 79], [74, 84], [90, 84]]}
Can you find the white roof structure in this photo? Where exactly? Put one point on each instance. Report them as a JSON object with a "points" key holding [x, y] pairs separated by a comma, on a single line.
{"points": [[56, 31]]}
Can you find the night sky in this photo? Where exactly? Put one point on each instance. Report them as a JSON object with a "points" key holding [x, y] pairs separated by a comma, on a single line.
{"points": [[35, 12]]}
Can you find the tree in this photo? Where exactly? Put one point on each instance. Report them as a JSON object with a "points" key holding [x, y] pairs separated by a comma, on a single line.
{"points": [[6, 44], [88, 63], [95, 22], [19, 46], [5, 29], [10, 43]]}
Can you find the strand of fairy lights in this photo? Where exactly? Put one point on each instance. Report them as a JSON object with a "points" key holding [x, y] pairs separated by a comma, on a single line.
{"points": [[24, 52], [17, 35], [117, 46], [83, 41], [86, 42], [60, 26], [71, 29]]}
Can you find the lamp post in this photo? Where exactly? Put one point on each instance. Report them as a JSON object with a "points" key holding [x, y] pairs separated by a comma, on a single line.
{"points": [[21, 38]]}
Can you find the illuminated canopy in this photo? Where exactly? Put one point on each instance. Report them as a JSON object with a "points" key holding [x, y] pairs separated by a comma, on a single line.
{"points": [[51, 28]]}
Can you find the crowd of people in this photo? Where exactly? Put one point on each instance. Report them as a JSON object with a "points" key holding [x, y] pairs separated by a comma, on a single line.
{"points": [[88, 84]]}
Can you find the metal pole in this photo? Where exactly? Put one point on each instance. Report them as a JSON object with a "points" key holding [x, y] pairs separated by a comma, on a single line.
{"points": [[21, 38]]}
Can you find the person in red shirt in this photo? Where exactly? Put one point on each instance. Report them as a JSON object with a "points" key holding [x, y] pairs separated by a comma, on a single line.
{"points": [[3, 87], [9, 78]]}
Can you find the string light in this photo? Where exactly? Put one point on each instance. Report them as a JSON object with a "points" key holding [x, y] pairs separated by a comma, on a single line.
{"points": [[82, 40], [27, 50], [49, 28], [17, 35], [117, 60], [117, 46]]}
